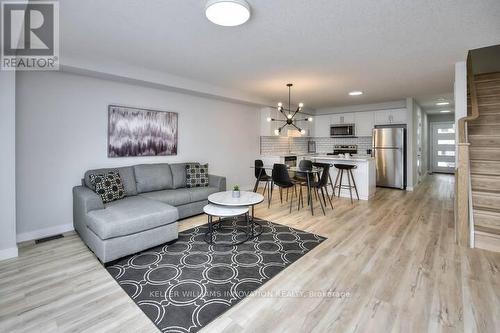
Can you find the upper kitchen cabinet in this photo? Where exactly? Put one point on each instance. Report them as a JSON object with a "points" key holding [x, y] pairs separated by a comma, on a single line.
{"points": [[342, 118], [387, 117], [322, 125], [307, 126], [266, 127], [364, 123]]}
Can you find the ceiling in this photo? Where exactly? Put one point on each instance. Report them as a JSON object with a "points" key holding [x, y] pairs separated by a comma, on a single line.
{"points": [[428, 103], [390, 49]]}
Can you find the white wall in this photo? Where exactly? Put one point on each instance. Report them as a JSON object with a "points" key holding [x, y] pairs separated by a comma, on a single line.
{"points": [[410, 149], [416, 143], [8, 247], [425, 144], [460, 92], [62, 131]]}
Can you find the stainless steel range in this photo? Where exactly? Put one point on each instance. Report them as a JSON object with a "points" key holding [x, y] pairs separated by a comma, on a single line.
{"points": [[342, 149]]}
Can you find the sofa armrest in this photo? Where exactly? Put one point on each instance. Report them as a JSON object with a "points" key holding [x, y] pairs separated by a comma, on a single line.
{"points": [[85, 200], [217, 181]]}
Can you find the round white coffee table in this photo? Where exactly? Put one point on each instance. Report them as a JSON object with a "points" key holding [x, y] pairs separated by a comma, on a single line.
{"points": [[245, 200], [224, 212]]}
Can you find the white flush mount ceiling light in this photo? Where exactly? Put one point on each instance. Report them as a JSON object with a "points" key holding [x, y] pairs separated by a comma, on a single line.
{"points": [[355, 93], [441, 103], [445, 111], [228, 13]]}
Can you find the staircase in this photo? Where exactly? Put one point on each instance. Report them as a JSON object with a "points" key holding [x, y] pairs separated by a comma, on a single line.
{"points": [[484, 138]]}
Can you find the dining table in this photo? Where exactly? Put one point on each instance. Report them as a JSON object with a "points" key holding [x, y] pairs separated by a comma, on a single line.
{"points": [[310, 175]]}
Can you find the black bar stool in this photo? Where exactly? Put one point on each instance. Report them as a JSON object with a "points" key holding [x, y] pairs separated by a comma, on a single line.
{"points": [[348, 168]]}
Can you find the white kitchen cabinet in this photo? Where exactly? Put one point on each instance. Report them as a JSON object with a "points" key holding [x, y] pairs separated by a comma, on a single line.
{"points": [[342, 118], [399, 116], [307, 126], [322, 125], [365, 122], [265, 126], [394, 116]]}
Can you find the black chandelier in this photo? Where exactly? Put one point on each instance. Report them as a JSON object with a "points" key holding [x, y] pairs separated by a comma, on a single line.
{"points": [[289, 114]]}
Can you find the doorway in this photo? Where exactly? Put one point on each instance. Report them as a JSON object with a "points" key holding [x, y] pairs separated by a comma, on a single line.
{"points": [[443, 147]]}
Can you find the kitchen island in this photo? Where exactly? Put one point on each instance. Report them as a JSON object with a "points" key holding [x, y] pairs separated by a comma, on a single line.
{"points": [[364, 174]]}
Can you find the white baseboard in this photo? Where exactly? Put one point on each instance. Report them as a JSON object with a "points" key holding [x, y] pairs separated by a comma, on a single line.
{"points": [[8, 253], [46, 232]]}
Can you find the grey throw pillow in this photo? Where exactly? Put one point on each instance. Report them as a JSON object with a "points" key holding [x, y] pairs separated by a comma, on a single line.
{"points": [[108, 185], [196, 175]]}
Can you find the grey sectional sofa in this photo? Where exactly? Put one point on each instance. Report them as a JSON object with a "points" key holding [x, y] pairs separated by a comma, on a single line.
{"points": [[156, 197]]}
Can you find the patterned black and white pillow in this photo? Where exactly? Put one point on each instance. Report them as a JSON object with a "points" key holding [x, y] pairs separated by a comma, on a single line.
{"points": [[108, 185], [196, 175]]}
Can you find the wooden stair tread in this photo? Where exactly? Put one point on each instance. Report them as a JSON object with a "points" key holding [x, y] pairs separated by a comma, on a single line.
{"points": [[486, 218], [491, 193], [485, 176], [487, 77], [484, 182], [488, 211], [484, 135], [484, 140], [485, 153], [488, 110], [485, 167], [487, 125], [483, 129], [485, 148], [479, 173], [488, 103], [487, 118], [487, 230]]}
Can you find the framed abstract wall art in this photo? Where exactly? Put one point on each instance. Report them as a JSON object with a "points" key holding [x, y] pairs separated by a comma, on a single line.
{"points": [[141, 132]]}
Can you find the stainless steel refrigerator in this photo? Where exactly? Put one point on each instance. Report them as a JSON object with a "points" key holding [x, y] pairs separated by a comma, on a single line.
{"points": [[389, 150]]}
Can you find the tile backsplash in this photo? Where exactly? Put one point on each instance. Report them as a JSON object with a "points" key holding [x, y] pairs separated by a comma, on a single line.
{"points": [[279, 145]]}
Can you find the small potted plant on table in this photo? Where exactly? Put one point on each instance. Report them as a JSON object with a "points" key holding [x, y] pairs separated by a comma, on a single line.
{"points": [[236, 191]]}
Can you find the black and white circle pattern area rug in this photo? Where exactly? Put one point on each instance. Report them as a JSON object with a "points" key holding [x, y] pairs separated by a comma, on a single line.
{"points": [[183, 286]]}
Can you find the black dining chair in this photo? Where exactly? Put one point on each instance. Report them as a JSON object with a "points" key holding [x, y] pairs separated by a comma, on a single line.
{"points": [[281, 178], [261, 176], [303, 165], [322, 184]]}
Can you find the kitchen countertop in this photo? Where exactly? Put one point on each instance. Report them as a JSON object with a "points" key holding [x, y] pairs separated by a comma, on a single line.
{"points": [[362, 158], [336, 158]]}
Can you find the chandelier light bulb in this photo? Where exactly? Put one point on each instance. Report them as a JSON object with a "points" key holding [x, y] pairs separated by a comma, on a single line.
{"points": [[301, 105], [268, 119], [302, 131], [310, 119], [276, 132], [289, 116], [280, 104]]}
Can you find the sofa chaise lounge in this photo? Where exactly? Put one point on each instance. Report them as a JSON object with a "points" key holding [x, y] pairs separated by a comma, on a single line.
{"points": [[156, 197]]}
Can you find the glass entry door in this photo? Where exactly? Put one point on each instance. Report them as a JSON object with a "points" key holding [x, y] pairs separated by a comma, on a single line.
{"points": [[443, 147]]}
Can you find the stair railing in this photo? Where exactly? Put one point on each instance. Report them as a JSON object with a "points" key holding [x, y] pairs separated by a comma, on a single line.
{"points": [[464, 224]]}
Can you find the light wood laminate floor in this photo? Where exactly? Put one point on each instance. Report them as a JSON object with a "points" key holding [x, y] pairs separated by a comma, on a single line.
{"points": [[393, 256]]}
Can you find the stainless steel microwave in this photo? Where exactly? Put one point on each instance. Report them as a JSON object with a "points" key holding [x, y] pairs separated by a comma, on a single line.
{"points": [[342, 130]]}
